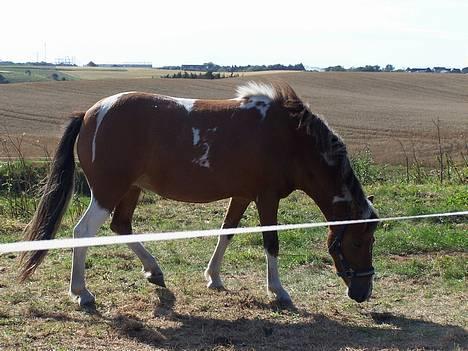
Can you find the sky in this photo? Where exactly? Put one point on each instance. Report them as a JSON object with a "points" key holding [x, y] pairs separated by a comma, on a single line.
{"points": [[404, 33]]}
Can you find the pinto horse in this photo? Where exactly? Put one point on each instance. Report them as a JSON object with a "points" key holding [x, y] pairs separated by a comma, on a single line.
{"points": [[259, 146]]}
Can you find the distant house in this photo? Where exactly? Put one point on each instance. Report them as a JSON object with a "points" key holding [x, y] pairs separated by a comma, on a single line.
{"points": [[126, 65], [419, 70], [194, 68], [441, 70]]}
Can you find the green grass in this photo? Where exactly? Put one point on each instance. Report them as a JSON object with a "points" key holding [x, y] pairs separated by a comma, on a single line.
{"points": [[414, 239], [23, 74], [419, 286]]}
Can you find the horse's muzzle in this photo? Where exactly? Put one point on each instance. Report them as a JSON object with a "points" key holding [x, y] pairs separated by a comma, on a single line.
{"points": [[360, 289]]}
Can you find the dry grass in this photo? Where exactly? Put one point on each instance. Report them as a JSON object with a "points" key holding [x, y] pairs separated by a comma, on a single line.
{"points": [[368, 109], [98, 73], [132, 315]]}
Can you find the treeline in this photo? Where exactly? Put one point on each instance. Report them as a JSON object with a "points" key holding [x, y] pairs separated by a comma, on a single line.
{"points": [[40, 63], [366, 68], [390, 68], [205, 75], [210, 66]]}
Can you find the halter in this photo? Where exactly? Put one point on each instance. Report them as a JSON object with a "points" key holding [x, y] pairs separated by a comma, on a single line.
{"points": [[347, 271]]}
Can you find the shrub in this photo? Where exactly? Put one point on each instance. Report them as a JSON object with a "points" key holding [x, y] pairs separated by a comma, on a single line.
{"points": [[365, 168]]}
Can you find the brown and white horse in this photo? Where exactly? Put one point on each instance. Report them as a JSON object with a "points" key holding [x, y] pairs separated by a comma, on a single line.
{"points": [[259, 146]]}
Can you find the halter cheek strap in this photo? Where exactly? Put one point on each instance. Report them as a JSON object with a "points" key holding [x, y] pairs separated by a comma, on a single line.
{"points": [[347, 271]]}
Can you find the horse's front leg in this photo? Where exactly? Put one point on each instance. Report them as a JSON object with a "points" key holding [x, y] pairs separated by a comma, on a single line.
{"points": [[267, 207], [236, 209]]}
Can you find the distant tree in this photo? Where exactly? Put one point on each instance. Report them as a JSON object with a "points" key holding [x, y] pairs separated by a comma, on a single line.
{"points": [[299, 67], [338, 68], [369, 68], [210, 66], [389, 68], [464, 70]]}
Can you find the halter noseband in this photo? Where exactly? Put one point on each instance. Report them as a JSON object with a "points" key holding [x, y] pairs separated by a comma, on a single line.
{"points": [[347, 271]]}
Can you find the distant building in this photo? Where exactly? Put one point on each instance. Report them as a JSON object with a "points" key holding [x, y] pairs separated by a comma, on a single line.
{"points": [[126, 65], [194, 68], [441, 70], [419, 70]]}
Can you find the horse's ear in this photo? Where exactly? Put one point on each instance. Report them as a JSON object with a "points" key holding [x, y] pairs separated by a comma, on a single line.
{"points": [[371, 198]]}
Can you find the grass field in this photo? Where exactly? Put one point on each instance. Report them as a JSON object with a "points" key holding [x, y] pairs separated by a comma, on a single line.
{"points": [[419, 301], [27, 74], [390, 113]]}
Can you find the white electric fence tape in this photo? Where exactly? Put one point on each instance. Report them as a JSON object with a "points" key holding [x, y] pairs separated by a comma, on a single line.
{"points": [[132, 238]]}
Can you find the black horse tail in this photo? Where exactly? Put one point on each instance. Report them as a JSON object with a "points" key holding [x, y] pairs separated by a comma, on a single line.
{"points": [[55, 197]]}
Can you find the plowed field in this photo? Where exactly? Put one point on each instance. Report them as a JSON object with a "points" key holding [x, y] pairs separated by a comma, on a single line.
{"points": [[380, 110]]}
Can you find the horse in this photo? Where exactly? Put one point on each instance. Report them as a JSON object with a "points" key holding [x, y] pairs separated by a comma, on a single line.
{"points": [[257, 147]]}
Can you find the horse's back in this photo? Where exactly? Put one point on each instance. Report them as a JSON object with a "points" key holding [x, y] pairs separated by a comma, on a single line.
{"points": [[186, 149]]}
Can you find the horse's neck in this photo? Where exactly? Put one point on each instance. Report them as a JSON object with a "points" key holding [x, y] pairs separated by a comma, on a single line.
{"points": [[335, 204]]}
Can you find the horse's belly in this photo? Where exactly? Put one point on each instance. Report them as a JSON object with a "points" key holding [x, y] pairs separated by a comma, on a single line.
{"points": [[192, 188]]}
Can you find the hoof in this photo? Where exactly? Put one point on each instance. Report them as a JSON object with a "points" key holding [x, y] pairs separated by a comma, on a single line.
{"points": [[215, 285], [281, 297], [156, 279], [284, 301], [85, 299]]}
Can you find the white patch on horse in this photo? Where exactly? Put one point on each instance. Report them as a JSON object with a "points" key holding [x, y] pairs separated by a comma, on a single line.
{"points": [[186, 103], [105, 105], [366, 214], [201, 143], [261, 103], [273, 281], [203, 160], [214, 266], [87, 227], [196, 136], [345, 197]]}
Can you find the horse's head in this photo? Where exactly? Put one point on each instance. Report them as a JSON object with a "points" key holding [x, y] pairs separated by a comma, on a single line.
{"points": [[351, 249], [325, 173]]}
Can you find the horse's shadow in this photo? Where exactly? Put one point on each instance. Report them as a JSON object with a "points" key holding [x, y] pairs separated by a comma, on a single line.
{"points": [[188, 332], [195, 332]]}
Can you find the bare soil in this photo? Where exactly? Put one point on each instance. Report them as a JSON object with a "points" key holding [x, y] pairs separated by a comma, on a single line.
{"points": [[376, 110]]}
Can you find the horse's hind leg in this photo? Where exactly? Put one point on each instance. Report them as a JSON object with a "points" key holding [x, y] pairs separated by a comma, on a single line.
{"points": [[122, 224], [236, 209], [88, 226]]}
